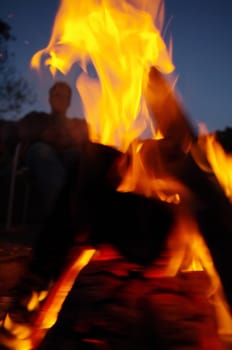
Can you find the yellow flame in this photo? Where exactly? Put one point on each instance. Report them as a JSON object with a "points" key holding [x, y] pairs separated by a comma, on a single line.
{"points": [[120, 40], [21, 331], [35, 299]]}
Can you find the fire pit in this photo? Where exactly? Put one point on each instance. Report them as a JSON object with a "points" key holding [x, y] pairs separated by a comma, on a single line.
{"points": [[157, 223]]}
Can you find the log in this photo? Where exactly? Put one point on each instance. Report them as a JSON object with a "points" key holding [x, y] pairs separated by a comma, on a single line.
{"points": [[209, 203], [105, 310], [169, 116]]}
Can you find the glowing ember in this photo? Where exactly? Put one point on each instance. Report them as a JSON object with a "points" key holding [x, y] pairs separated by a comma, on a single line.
{"points": [[49, 312]]}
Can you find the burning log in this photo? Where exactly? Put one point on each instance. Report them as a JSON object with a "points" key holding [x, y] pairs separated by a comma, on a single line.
{"points": [[124, 220], [71, 218], [138, 228], [139, 294], [114, 304], [168, 113], [91, 209], [177, 154]]}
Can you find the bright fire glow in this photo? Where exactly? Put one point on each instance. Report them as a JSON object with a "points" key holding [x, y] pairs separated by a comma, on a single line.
{"points": [[166, 188], [119, 40]]}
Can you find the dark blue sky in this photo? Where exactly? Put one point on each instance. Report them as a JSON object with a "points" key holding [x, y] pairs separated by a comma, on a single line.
{"points": [[202, 52]]}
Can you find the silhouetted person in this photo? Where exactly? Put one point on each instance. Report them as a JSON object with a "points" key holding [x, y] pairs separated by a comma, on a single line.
{"points": [[53, 142]]}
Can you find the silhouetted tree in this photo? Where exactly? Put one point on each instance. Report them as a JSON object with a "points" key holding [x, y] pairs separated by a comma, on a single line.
{"points": [[15, 91], [225, 138]]}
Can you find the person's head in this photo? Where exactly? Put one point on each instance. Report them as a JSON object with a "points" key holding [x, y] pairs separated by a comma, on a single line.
{"points": [[60, 95]]}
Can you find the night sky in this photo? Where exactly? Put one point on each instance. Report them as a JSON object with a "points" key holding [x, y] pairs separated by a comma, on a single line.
{"points": [[202, 53]]}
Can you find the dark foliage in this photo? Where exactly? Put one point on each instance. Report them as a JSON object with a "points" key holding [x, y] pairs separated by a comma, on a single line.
{"points": [[225, 138], [15, 91]]}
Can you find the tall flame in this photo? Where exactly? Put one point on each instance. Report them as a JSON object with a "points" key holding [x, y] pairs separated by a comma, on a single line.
{"points": [[115, 43]]}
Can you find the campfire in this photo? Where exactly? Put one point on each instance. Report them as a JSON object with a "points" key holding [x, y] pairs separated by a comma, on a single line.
{"points": [[168, 175]]}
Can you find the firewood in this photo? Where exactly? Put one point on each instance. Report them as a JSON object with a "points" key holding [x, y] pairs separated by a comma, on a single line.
{"points": [[169, 116]]}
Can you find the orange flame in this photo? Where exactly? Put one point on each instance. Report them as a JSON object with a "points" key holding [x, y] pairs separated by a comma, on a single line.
{"points": [[163, 187], [120, 40], [212, 158], [49, 312], [189, 252], [221, 164]]}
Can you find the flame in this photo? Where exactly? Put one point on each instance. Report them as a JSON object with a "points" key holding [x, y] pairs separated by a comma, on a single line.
{"points": [[35, 299], [22, 336], [119, 41], [48, 314], [221, 164], [165, 188], [19, 337], [212, 158], [21, 331], [189, 252], [116, 42]]}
